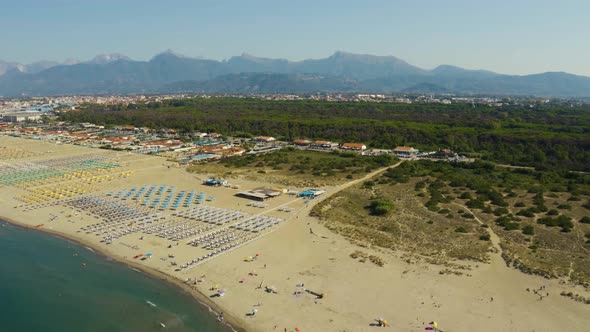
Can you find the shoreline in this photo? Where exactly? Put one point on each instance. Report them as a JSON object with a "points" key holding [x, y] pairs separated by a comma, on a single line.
{"points": [[408, 293], [201, 299]]}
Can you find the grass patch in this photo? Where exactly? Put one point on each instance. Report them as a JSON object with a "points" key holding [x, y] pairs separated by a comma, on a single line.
{"points": [[294, 166]]}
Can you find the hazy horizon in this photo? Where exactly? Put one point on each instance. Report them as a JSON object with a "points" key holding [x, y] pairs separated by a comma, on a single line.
{"points": [[517, 37]]}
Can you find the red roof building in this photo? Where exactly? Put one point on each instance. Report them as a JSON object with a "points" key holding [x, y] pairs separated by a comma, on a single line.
{"points": [[354, 146]]}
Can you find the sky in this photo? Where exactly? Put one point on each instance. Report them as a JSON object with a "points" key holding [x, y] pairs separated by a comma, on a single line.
{"points": [[511, 37]]}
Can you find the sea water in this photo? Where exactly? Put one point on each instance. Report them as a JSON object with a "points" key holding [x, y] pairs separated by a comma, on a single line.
{"points": [[50, 284]]}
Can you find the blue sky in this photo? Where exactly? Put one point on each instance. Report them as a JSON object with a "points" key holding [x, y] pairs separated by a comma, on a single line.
{"points": [[514, 37]]}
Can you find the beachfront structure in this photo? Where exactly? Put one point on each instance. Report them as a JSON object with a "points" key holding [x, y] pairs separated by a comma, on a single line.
{"points": [[405, 151], [215, 182], [311, 193], [260, 194], [353, 147]]}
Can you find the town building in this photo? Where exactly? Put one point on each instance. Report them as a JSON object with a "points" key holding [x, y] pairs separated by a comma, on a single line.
{"points": [[323, 145], [353, 146], [163, 144], [21, 116], [264, 139], [444, 153], [405, 151], [302, 142]]}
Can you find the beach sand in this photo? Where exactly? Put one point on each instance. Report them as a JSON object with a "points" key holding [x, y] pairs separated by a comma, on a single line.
{"points": [[490, 297]]}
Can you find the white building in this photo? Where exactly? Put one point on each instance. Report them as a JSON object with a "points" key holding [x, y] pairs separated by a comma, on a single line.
{"points": [[265, 139], [405, 151], [21, 116]]}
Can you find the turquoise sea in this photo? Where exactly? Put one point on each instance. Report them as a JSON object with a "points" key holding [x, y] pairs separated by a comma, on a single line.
{"points": [[44, 286]]}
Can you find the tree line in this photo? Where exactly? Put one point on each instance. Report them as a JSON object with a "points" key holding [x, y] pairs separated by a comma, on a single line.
{"points": [[544, 136]]}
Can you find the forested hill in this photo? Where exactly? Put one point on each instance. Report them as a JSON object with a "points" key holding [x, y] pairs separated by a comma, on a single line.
{"points": [[555, 137]]}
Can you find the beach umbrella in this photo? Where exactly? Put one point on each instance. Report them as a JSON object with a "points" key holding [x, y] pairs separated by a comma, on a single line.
{"points": [[297, 329]]}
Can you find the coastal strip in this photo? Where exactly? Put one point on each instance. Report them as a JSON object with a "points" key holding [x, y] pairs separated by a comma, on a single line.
{"points": [[201, 299]]}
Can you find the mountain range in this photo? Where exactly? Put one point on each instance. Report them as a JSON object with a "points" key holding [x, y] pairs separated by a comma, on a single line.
{"points": [[341, 72]]}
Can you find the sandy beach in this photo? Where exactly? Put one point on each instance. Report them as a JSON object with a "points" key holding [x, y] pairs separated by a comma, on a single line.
{"points": [[293, 257]]}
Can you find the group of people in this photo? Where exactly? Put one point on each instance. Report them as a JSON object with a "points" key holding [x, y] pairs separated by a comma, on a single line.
{"points": [[539, 292]]}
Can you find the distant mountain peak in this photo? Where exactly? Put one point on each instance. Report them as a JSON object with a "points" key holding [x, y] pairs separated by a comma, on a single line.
{"points": [[350, 55], [446, 67], [458, 71], [253, 58], [108, 58], [172, 54], [71, 61], [6, 66], [248, 56], [342, 71]]}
